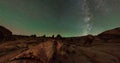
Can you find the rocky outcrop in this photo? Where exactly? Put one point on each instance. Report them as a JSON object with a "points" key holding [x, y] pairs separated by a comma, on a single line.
{"points": [[111, 35], [115, 31], [4, 32], [38, 54]]}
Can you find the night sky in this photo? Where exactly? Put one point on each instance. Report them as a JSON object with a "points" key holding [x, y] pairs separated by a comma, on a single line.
{"points": [[65, 17]]}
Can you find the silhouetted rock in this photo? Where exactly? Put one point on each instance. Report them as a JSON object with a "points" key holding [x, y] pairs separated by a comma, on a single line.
{"points": [[44, 36], [58, 36], [111, 35], [33, 36], [53, 36], [4, 32], [115, 31]]}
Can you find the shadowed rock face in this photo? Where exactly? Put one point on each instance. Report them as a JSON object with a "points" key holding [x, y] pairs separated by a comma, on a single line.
{"points": [[111, 35], [114, 33], [4, 33], [1, 36]]}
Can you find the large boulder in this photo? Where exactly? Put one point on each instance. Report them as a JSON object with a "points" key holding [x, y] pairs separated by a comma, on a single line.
{"points": [[4, 32]]}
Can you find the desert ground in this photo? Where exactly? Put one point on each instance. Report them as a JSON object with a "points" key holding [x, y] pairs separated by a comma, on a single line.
{"points": [[101, 48]]}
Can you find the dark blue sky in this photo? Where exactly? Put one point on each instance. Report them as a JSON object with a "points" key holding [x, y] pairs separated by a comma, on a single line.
{"points": [[65, 17]]}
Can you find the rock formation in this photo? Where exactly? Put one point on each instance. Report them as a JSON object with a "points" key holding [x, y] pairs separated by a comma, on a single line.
{"points": [[4, 33], [102, 48], [111, 35], [38, 54]]}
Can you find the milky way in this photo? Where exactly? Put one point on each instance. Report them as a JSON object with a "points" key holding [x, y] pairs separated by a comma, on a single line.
{"points": [[65, 17], [87, 17]]}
